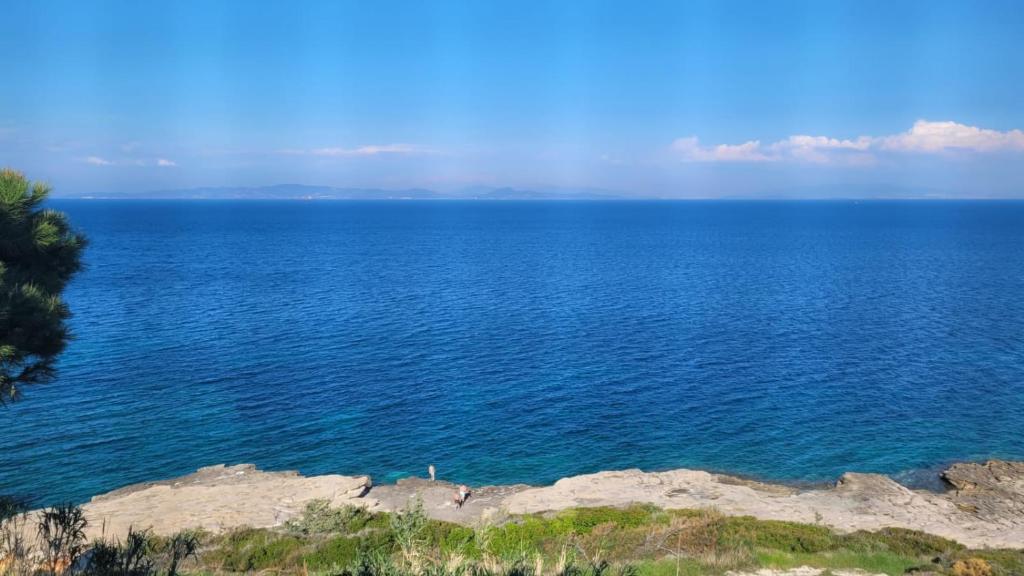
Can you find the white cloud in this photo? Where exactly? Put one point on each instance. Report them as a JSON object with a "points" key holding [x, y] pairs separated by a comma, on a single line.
{"points": [[99, 161], [688, 148], [928, 136], [368, 150], [691, 150], [64, 146], [814, 142], [822, 149], [924, 137]]}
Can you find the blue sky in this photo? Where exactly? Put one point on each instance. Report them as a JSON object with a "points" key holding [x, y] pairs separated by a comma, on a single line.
{"points": [[687, 99]]}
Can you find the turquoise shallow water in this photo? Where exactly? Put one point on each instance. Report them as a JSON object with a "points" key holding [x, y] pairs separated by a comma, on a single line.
{"points": [[521, 342]]}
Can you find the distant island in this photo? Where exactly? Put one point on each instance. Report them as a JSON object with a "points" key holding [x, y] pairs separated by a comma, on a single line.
{"points": [[307, 192]]}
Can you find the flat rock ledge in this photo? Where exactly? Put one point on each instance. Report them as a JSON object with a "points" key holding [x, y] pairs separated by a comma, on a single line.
{"points": [[984, 506], [218, 498]]}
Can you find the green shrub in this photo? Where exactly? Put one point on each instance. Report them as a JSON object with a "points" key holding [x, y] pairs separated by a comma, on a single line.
{"points": [[527, 537], [746, 531], [460, 540], [319, 518], [900, 541], [378, 521], [255, 549], [583, 520], [409, 528], [61, 536], [685, 567], [872, 563], [604, 539], [1003, 562], [275, 553], [448, 537], [612, 542], [337, 552]]}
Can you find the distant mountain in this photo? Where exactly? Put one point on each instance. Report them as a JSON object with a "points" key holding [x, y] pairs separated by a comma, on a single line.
{"points": [[284, 192], [845, 192], [303, 192]]}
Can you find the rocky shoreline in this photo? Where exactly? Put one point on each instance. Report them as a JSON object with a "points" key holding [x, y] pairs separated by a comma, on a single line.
{"points": [[984, 506]]}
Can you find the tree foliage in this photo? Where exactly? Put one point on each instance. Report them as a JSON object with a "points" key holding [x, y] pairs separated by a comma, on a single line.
{"points": [[39, 254]]}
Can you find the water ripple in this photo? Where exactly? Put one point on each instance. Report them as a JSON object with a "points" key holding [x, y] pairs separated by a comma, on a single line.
{"points": [[521, 342]]}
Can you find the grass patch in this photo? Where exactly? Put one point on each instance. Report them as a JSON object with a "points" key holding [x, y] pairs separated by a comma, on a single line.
{"points": [[901, 541], [686, 567], [592, 541], [874, 563], [745, 531], [320, 518], [338, 552], [583, 520], [254, 549]]}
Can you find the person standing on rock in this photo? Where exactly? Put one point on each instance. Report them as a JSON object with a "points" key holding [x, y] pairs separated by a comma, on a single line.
{"points": [[430, 470], [463, 495]]}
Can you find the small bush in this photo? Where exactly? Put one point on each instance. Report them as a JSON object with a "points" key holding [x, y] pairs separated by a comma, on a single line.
{"points": [[128, 558], [972, 567], [609, 542], [61, 534], [529, 536], [408, 528], [319, 518], [583, 520], [15, 547], [872, 563], [337, 552], [1004, 562], [181, 547], [252, 549], [275, 553], [746, 531], [900, 541], [460, 540]]}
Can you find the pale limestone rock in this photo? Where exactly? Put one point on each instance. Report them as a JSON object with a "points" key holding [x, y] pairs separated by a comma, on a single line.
{"points": [[986, 509], [218, 498], [985, 513]]}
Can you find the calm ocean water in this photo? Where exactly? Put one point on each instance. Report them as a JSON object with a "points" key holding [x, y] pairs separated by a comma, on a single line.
{"points": [[521, 342]]}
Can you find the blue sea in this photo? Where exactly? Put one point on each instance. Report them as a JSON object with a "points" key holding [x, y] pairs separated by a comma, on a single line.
{"points": [[526, 341]]}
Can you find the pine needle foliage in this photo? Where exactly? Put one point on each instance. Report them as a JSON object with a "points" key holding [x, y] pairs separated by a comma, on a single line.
{"points": [[39, 254]]}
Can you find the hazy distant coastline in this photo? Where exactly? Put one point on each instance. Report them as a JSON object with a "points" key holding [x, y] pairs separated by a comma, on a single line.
{"points": [[305, 192], [314, 192]]}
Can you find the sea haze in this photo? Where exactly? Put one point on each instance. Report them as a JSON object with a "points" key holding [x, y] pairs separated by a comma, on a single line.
{"points": [[525, 341], [304, 192]]}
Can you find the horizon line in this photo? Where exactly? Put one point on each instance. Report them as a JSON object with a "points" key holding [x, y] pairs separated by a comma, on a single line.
{"points": [[580, 199]]}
